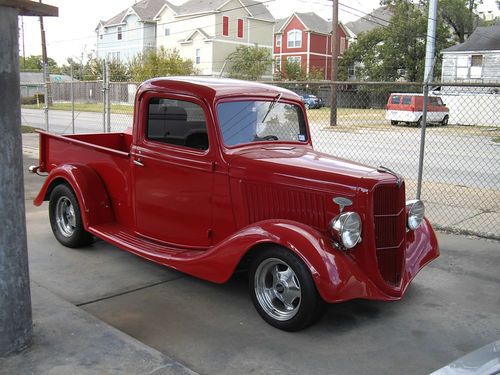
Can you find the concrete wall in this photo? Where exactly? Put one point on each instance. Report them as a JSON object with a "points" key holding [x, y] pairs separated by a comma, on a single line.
{"points": [[473, 108]]}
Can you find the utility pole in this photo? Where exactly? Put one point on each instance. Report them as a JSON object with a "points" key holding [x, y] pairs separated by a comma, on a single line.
{"points": [[335, 54], [16, 332], [430, 48], [24, 51], [46, 75]]}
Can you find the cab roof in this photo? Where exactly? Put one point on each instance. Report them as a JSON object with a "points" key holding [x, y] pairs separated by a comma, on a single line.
{"points": [[214, 88]]}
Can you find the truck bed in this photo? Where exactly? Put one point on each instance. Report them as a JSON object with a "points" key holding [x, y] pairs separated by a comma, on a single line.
{"points": [[107, 154]]}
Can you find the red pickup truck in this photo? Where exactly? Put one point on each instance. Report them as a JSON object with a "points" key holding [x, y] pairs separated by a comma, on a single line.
{"points": [[219, 175]]}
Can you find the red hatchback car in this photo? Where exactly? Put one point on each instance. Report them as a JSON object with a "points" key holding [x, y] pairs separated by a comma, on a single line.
{"points": [[408, 108], [219, 175]]}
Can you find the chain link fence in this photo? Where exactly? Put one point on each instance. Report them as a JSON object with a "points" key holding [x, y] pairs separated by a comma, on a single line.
{"points": [[377, 124]]}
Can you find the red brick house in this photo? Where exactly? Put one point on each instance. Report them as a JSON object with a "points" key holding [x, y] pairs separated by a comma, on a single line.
{"points": [[306, 38]]}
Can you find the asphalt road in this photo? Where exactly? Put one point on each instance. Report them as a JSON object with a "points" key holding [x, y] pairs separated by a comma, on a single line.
{"points": [[453, 159], [451, 308]]}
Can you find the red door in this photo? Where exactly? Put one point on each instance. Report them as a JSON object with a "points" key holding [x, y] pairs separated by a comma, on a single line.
{"points": [[173, 176]]}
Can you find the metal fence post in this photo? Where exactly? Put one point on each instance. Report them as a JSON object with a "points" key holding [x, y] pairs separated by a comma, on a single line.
{"points": [[46, 96], [104, 96], [72, 101], [108, 98]]}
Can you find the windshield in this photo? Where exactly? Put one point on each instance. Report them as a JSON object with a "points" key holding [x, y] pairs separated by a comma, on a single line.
{"points": [[259, 120]]}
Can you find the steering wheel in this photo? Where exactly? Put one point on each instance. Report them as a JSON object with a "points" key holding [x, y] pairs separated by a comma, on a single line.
{"points": [[267, 138]]}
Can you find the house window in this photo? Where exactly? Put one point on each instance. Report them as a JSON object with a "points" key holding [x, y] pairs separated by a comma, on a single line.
{"points": [[294, 39], [100, 36], [240, 28], [167, 31], [119, 34], [294, 59], [225, 25], [477, 60], [277, 64], [278, 40], [198, 56], [342, 45]]}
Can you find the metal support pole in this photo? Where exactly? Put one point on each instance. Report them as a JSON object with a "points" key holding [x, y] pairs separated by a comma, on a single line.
{"points": [[335, 54], [104, 96], [108, 98], [72, 101], [428, 74], [46, 96], [15, 300]]}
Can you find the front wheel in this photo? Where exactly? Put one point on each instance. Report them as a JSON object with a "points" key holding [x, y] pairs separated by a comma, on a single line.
{"points": [[445, 121], [65, 218], [394, 122], [283, 291]]}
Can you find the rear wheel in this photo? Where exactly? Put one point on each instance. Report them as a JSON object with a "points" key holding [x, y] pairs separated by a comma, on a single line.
{"points": [[445, 121], [65, 218], [283, 291]]}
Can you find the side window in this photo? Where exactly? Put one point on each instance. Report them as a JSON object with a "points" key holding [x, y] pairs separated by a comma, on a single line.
{"points": [[177, 122], [407, 100], [395, 99]]}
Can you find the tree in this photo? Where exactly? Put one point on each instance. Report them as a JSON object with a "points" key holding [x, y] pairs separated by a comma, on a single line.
{"points": [[293, 71], [35, 63], [459, 16], [159, 63], [250, 62], [395, 52]]}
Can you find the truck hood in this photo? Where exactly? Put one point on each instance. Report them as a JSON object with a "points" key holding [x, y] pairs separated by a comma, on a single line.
{"points": [[304, 167]]}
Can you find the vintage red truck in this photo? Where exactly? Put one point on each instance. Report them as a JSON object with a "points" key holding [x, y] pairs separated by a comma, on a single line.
{"points": [[219, 175]]}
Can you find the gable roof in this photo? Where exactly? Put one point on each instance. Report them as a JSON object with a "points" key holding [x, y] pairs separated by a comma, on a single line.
{"points": [[485, 38], [379, 17], [255, 8], [190, 37], [146, 10], [310, 20]]}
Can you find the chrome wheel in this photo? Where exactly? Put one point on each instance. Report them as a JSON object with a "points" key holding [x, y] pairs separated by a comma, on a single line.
{"points": [[65, 216], [277, 289]]}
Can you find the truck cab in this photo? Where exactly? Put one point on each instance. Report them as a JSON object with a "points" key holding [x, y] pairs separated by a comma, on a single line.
{"points": [[218, 175]]}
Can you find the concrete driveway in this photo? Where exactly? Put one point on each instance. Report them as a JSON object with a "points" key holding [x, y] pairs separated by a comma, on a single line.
{"points": [[450, 309]]}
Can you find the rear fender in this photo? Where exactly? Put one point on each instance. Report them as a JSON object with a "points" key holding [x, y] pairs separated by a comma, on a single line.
{"points": [[88, 187]]}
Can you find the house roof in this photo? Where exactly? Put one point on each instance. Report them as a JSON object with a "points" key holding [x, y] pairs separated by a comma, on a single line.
{"points": [[146, 10], [255, 8], [311, 21], [485, 38], [379, 17], [26, 78]]}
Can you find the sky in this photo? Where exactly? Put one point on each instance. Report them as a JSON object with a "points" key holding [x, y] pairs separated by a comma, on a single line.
{"points": [[72, 32]]}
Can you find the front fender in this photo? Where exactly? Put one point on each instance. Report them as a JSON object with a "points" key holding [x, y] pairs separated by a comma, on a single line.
{"points": [[336, 275], [88, 187]]}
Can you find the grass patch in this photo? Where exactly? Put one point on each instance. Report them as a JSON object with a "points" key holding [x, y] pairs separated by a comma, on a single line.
{"points": [[27, 129], [86, 107], [495, 139]]}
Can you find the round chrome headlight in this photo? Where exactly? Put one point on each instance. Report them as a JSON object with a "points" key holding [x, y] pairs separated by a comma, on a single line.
{"points": [[415, 210], [346, 229]]}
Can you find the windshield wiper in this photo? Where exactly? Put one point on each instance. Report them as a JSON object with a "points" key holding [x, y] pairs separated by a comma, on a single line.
{"points": [[271, 106]]}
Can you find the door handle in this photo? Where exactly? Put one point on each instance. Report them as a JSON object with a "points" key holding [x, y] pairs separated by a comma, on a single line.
{"points": [[138, 162]]}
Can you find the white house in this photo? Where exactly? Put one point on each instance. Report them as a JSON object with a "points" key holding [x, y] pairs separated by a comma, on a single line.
{"points": [[207, 31], [475, 60], [130, 32]]}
